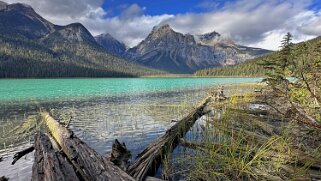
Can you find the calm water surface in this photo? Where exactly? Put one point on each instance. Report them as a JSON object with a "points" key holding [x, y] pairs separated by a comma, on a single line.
{"points": [[133, 110]]}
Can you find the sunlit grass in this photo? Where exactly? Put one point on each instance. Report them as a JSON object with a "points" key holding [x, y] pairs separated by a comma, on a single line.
{"points": [[242, 146]]}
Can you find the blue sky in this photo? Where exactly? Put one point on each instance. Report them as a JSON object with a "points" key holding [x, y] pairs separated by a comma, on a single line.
{"points": [[315, 6], [159, 7], [257, 23], [156, 7]]}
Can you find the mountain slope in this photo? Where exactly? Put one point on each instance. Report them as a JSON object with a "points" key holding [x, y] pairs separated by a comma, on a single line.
{"points": [[72, 33], [168, 50], [21, 57], [111, 44], [250, 68], [38, 48]]}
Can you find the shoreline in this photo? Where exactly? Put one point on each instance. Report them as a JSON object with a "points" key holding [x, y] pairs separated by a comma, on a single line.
{"points": [[133, 77]]}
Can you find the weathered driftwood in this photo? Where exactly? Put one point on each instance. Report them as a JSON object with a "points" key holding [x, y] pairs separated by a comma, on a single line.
{"points": [[305, 118], [256, 121], [22, 153], [88, 163], [3, 178], [247, 111], [282, 107], [148, 160], [49, 164], [120, 155]]}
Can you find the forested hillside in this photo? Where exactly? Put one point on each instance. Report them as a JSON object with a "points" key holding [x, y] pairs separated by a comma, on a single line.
{"points": [[251, 68], [21, 57]]}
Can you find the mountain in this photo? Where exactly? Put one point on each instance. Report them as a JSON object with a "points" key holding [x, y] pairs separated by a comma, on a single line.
{"points": [[23, 20], [175, 52], [254, 67], [111, 44], [72, 33], [215, 39], [168, 50], [31, 46]]}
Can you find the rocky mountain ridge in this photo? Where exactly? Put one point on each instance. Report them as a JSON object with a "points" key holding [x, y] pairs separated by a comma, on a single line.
{"points": [[175, 52]]}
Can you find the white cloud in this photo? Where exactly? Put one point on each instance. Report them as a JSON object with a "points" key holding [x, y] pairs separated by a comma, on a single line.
{"points": [[253, 23], [132, 11], [311, 24], [130, 27], [64, 12], [296, 25], [257, 23], [130, 31]]}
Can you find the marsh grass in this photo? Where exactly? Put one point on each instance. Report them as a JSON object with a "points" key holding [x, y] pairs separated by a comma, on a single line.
{"points": [[19, 133], [236, 145]]}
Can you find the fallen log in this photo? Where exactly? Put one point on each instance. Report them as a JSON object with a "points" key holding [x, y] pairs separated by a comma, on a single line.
{"points": [[49, 164], [247, 111], [88, 163], [148, 160], [22, 153], [256, 122], [305, 118]]}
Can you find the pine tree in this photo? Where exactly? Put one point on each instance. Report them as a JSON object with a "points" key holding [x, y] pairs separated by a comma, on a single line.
{"points": [[279, 67], [303, 64]]}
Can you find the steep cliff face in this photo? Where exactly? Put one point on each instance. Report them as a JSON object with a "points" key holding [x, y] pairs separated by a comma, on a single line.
{"points": [[175, 52]]}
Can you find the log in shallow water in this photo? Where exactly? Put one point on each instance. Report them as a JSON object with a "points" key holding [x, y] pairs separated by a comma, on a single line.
{"points": [[88, 163], [149, 159]]}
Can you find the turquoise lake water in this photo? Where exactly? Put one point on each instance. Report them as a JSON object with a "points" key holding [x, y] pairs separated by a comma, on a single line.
{"points": [[133, 110], [56, 89]]}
